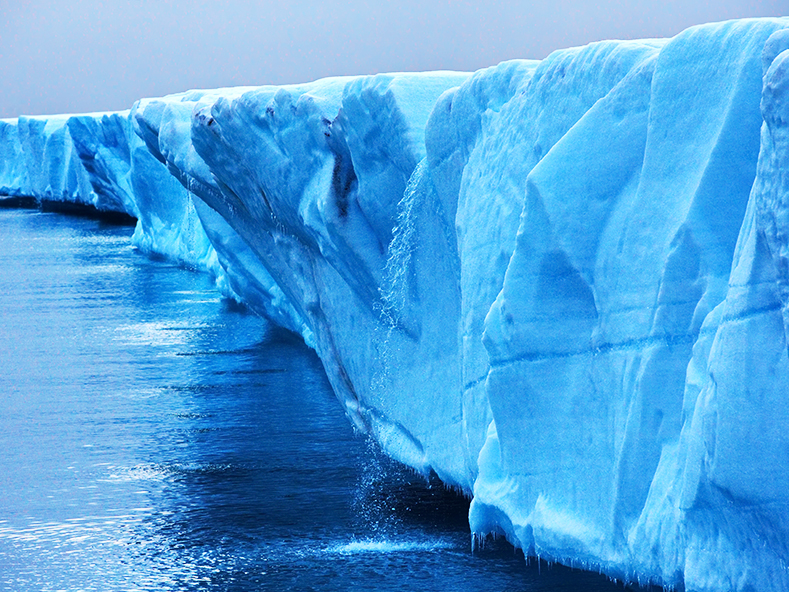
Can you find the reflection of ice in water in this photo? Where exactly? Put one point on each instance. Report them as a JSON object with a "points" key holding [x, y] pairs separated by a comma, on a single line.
{"points": [[161, 334]]}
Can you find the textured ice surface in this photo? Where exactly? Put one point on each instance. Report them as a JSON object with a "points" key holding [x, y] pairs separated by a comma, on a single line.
{"points": [[562, 285], [13, 170], [52, 168], [624, 344]]}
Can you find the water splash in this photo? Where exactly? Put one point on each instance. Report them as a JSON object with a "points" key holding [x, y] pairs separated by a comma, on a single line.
{"points": [[374, 506], [388, 546], [378, 507]]}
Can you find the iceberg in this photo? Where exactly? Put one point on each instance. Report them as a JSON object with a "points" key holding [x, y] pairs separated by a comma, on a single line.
{"points": [[561, 285]]}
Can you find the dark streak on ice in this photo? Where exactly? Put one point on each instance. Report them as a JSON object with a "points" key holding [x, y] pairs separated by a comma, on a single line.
{"points": [[631, 344]]}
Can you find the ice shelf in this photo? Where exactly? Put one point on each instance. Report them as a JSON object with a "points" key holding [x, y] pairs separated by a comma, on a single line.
{"points": [[561, 285]]}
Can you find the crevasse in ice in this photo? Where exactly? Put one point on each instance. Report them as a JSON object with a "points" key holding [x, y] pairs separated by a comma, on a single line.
{"points": [[563, 286]]}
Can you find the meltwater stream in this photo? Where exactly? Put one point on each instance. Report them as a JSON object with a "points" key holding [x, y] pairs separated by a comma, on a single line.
{"points": [[154, 436]]}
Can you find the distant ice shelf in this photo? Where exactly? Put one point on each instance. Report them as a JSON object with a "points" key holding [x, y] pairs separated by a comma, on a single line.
{"points": [[561, 285]]}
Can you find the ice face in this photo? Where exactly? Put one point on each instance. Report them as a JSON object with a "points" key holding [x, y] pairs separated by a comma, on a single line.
{"points": [[102, 145], [612, 342], [54, 171], [562, 285], [13, 172], [312, 177]]}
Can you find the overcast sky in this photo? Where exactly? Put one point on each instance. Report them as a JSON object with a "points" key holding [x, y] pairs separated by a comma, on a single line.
{"points": [[94, 55]]}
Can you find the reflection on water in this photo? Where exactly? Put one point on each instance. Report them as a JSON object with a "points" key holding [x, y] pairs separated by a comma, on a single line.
{"points": [[157, 437]]}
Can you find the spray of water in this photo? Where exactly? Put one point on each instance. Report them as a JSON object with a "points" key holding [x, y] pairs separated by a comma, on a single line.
{"points": [[188, 224], [395, 286], [374, 504]]}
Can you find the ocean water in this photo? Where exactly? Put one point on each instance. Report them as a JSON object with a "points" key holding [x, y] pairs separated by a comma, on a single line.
{"points": [[155, 436]]}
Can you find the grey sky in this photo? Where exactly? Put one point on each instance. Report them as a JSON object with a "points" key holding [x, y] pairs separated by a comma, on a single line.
{"points": [[91, 55]]}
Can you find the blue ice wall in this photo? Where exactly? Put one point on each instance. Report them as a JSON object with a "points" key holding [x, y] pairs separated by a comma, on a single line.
{"points": [[563, 286]]}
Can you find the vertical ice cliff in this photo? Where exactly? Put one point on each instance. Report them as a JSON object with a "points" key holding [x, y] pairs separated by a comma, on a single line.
{"points": [[561, 285], [626, 344], [14, 180], [52, 169], [101, 143], [310, 177]]}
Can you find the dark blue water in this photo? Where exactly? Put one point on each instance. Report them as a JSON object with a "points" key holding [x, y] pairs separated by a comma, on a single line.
{"points": [[154, 436]]}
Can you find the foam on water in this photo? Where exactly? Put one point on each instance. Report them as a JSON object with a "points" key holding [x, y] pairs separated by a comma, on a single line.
{"points": [[389, 546]]}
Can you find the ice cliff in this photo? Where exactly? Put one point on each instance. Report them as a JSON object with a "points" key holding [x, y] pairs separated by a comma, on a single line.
{"points": [[561, 285]]}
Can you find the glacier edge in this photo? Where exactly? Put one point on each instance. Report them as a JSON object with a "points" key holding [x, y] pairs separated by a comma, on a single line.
{"points": [[562, 286]]}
